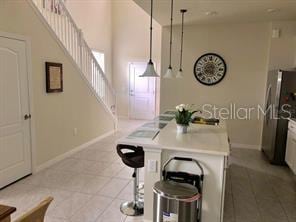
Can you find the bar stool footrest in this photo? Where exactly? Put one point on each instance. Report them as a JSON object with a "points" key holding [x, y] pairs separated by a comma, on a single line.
{"points": [[132, 208]]}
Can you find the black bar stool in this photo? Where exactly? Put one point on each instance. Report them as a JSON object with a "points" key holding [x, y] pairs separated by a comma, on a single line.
{"points": [[134, 158]]}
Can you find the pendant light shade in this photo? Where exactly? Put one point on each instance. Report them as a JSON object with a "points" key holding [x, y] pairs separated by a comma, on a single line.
{"points": [[169, 74], [150, 70], [180, 72]]}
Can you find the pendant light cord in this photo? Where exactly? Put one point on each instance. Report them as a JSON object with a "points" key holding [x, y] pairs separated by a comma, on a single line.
{"points": [[151, 15], [182, 34], [171, 34]]}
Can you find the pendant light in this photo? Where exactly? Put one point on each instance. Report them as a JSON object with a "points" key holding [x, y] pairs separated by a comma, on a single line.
{"points": [[169, 73], [150, 71], [180, 72]]}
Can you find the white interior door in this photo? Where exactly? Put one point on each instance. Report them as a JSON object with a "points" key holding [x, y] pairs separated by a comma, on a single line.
{"points": [[141, 93], [15, 145]]}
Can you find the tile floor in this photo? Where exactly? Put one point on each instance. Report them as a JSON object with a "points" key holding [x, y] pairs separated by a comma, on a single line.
{"points": [[257, 191], [90, 186]]}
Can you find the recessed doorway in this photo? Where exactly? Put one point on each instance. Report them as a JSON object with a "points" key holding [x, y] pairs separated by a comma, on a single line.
{"points": [[142, 93]]}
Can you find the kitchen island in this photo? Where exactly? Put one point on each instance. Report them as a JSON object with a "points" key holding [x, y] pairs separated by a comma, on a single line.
{"points": [[208, 144]]}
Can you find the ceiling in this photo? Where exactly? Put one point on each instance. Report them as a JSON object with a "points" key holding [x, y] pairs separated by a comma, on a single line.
{"points": [[224, 11]]}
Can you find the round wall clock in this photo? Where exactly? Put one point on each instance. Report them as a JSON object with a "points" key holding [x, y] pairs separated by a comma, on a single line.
{"points": [[210, 69]]}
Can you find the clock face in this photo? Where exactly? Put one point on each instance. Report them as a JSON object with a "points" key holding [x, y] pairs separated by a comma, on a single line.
{"points": [[209, 69]]}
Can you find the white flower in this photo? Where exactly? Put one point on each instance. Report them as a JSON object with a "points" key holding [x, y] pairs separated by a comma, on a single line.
{"points": [[181, 107]]}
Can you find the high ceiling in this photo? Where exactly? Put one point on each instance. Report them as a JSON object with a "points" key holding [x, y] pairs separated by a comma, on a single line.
{"points": [[222, 11]]}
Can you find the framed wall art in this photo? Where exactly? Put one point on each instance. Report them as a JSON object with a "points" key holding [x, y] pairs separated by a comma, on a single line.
{"points": [[54, 77]]}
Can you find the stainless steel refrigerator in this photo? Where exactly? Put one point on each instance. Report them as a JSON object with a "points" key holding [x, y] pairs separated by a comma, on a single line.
{"points": [[279, 105]]}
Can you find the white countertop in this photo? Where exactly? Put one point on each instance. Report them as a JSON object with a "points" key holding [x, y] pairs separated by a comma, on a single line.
{"points": [[207, 139]]}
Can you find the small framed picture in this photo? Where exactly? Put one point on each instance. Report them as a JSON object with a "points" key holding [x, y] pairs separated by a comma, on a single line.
{"points": [[54, 77]]}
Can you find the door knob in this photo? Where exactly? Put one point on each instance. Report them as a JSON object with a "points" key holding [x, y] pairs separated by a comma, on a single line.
{"points": [[27, 116]]}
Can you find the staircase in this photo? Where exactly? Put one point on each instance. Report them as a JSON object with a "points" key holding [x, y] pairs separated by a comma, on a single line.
{"points": [[56, 16]]}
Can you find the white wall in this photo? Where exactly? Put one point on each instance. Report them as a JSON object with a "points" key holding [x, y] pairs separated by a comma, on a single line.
{"points": [[94, 18], [121, 30], [130, 34], [282, 52], [245, 50], [57, 114]]}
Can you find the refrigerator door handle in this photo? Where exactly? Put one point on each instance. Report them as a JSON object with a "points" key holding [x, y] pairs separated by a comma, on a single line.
{"points": [[267, 104], [268, 97]]}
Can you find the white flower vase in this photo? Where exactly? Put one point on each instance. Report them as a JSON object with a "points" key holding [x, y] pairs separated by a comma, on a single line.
{"points": [[182, 129]]}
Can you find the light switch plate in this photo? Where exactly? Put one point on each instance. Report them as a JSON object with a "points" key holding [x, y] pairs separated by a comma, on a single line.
{"points": [[276, 33], [152, 166]]}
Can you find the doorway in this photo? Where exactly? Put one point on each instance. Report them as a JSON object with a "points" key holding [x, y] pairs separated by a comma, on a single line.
{"points": [[15, 131], [142, 98]]}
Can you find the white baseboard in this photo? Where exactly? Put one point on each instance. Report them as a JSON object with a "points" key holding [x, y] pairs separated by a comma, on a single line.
{"points": [[123, 117], [71, 152], [245, 146]]}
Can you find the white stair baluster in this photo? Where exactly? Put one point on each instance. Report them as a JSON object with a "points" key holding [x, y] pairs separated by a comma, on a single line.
{"points": [[55, 13]]}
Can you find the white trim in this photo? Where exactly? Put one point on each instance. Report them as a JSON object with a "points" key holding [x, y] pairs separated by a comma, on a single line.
{"points": [[71, 152], [123, 117], [245, 146], [14, 36], [30, 91], [32, 112]]}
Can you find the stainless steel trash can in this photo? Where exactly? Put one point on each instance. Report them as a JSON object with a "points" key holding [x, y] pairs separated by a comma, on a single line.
{"points": [[175, 202], [178, 197]]}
